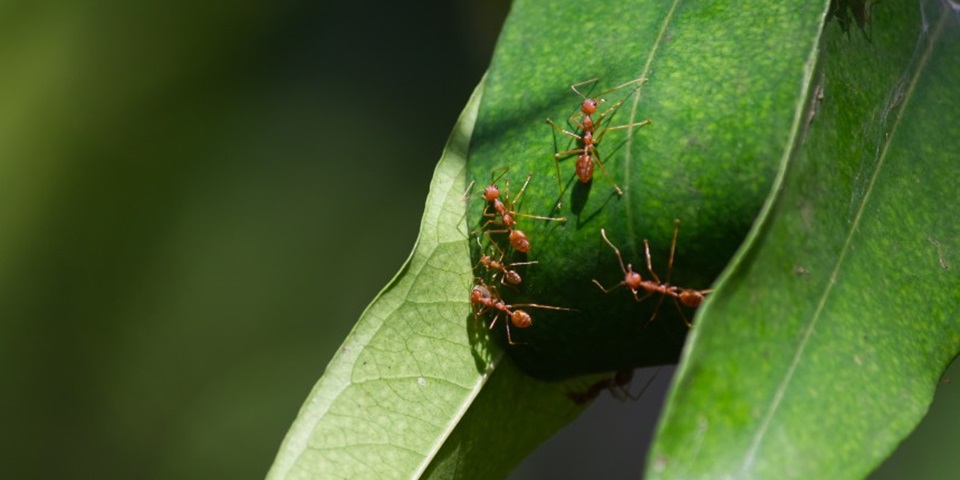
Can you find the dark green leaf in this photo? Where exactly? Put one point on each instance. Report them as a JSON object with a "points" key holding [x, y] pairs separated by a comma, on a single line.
{"points": [[724, 86]]}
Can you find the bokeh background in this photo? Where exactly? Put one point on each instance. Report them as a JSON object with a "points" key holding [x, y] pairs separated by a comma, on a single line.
{"points": [[196, 203]]}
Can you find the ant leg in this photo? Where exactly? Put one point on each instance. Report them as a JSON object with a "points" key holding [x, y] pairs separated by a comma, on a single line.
{"points": [[465, 192], [596, 160], [673, 247], [656, 309], [516, 200], [494, 322], [608, 290], [679, 309], [490, 239], [575, 85], [603, 233], [649, 293], [596, 125], [621, 127], [505, 170], [626, 270], [495, 222], [646, 248], [567, 153], [565, 132], [538, 217], [545, 307], [618, 87], [625, 390], [510, 338], [573, 120]]}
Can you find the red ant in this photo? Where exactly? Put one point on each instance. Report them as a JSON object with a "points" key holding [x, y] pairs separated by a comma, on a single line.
{"points": [[487, 298], [505, 209], [587, 154], [633, 280], [509, 275]]}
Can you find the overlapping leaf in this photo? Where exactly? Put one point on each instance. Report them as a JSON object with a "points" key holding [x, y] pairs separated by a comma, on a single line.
{"points": [[823, 345], [726, 87]]}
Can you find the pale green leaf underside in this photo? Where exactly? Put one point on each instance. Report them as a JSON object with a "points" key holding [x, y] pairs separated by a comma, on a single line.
{"points": [[404, 376]]}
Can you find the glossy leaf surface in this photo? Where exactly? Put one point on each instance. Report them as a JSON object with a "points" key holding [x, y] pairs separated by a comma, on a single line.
{"points": [[724, 84]]}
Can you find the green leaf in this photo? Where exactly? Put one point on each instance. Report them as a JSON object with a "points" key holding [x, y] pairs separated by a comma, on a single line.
{"points": [[415, 384], [418, 388], [822, 346], [724, 85]]}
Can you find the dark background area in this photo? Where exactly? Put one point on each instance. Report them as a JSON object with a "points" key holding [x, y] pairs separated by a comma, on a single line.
{"points": [[196, 204], [197, 201]]}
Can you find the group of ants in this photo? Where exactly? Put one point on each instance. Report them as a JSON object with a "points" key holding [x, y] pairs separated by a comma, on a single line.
{"points": [[500, 219]]}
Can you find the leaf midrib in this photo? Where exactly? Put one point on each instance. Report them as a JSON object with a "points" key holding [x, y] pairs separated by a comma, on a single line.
{"points": [[631, 221]]}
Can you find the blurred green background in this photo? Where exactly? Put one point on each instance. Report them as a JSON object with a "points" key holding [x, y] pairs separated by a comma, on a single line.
{"points": [[197, 200]]}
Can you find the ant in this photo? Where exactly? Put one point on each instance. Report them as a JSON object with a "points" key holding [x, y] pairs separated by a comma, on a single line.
{"points": [[487, 298], [587, 155], [688, 297], [509, 274], [618, 385], [507, 212]]}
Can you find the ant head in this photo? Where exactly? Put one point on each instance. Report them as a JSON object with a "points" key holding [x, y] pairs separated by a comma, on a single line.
{"points": [[519, 241], [589, 106], [479, 294], [491, 193], [520, 319], [691, 298], [632, 279]]}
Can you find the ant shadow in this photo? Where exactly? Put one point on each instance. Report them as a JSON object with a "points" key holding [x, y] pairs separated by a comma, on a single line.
{"points": [[481, 343], [578, 200]]}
